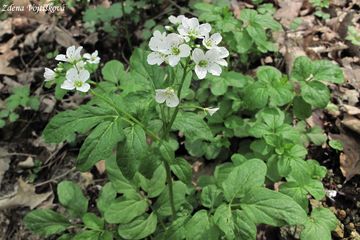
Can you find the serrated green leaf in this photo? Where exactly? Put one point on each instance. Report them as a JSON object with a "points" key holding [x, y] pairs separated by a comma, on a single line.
{"points": [[113, 71], [182, 169], [315, 93], [107, 195], [199, 227], [87, 235], [156, 184], [211, 196], [46, 222], [71, 197], [302, 109], [224, 220], [93, 222], [124, 211], [139, 228]]}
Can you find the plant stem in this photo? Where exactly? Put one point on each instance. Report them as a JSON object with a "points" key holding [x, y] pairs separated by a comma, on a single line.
{"points": [[126, 30], [166, 136]]}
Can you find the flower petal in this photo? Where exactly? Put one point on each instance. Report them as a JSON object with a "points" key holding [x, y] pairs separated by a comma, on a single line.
{"points": [[155, 58], [72, 74], [204, 29], [172, 100], [84, 88], [197, 55], [216, 38], [200, 72], [49, 74], [87, 56], [214, 69], [84, 75], [160, 95], [70, 51], [222, 62], [67, 85], [184, 50], [61, 57], [173, 60]]}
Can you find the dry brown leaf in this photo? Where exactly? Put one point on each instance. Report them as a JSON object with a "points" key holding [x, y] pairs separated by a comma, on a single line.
{"points": [[100, 166], [32, 38], [352, 123], [350, 158], [5, 27], [27, 163], [351, 110], [4, 162], [24, 195], [64, 37], [86, 178], [288, 11]]}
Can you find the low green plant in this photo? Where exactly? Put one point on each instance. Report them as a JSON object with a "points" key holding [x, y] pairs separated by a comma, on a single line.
{"points": [[319, 6], [20, 97], [353, 35], [138, 119]]}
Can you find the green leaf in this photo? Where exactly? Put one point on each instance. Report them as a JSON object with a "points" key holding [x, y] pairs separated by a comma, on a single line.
{"points": [[199, 227], [87, 235], [71, 197], [93, 222], [192, 125], [177, 229], [65, 124], [315, 93], [13, 117], [100, 143], [133, 151], [244, 226], [156, 184], [211, 196], [113, 71], [182, 169], [139, 228], [317, 136], [107, 195], [46, 222], [336, 144], [319, 225], [224, 220], [302, 109], [250, 174], [125, 211], [162, 204], [269, 207]]}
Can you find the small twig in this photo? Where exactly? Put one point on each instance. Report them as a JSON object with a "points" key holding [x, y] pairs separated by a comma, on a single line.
{"points": [[56, 178]]}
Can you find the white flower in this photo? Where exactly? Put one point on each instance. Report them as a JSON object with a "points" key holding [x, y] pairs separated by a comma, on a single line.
{"points": [[156, 58], [190, 28], [80, 65], [211, 110], [167, 95], [209, 62], [49, 74], [156, 44], [175, 49], [212, 41], [76, 80], [93, 58], [73, 54], [177, 20]]}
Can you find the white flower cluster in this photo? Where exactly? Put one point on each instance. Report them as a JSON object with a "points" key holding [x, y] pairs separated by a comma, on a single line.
{"points": [[76, 74], [170, 48]]}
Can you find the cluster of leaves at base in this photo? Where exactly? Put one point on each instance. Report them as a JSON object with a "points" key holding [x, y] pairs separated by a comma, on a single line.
{"points": [[353, 35], [20, 97], [105, 16], [320, 5], [249, 34], [135, 203]]}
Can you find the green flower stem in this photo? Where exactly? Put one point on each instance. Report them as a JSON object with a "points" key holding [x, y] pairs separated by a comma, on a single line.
{"points": [[166, 136]]}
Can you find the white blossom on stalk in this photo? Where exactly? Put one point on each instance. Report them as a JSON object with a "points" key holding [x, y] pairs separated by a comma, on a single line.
{"points": [[167, 95], [212, 41], [191, 29], [73, 55], [156, 44], [93, 58], [175, 49], [76, 80], [176, 20], [49, 75], [209, 61], [211, 111], [80, 65]]}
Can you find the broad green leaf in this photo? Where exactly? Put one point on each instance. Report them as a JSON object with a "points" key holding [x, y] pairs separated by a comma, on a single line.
{"points": [[93, 222], [107, 195], [319, 225], [156, 184], [87, 235], [317, 136], [65, 124], [269, 207], [199, 227], [302, 109], [182, 170], [124, 211], [315, 93], [296, 192], [162, 204], [71, 197], [336, 144], [245, 228], [113, 71], [100, 143], [211, 196], [139, 228], [243, 177], [46, 222], [177, 229], [192, 125], [224, 220], [219, 85]]}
